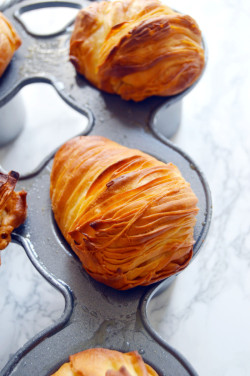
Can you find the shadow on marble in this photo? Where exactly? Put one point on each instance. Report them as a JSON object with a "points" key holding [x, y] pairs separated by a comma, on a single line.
{"points": [[48, 123]]}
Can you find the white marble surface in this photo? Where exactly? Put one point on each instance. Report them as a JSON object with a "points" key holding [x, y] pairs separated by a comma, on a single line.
{"points": [[205, 313]]}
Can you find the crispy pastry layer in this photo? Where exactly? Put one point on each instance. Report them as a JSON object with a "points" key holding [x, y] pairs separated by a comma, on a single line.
{"points": [[104, 362], [128, 216], [137, 48], [13, 207], [9, 42]]}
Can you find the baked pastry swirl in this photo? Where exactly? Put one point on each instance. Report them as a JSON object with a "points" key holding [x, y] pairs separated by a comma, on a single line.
{"points": [[137, 48], [104, 362], [9, 43], [129, 217], [13, 207]]}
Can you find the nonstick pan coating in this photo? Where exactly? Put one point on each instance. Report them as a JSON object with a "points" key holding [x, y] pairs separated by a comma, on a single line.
{"points": [[95, 315]]}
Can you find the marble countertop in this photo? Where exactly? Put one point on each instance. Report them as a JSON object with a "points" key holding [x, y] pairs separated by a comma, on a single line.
{"points": [[204, 314]]}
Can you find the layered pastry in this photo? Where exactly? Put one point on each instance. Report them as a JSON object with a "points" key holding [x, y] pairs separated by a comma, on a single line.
{"points": [[104, 362], [9, 42], [137, 48], [129, 217], [13, 207]]}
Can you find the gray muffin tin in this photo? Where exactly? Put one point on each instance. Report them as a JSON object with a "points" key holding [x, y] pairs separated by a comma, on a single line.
{"points": [[95, 315]]}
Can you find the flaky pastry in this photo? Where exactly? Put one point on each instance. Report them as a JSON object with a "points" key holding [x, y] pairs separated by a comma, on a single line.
{"points": [[136, 48], [129, 217], [104, 362], [13, 207], [9, 42]]}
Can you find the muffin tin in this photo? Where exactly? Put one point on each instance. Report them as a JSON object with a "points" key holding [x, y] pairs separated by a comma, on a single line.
{"points": [[95, 315]]}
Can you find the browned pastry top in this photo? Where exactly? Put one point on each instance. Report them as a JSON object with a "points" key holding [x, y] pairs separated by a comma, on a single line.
{"points": [[137, 48], [9, 42], [129, 217], [104, 362], [13, 207]]}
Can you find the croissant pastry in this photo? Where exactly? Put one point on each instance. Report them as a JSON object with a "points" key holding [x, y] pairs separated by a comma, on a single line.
{"points": [[104, 362], [128, 216], [136, 48], [9, 42], [13, 207]]}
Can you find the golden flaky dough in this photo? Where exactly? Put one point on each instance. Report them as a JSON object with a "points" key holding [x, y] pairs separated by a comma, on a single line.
{"points": [[128, 216], [13, 207], [9, 42], [104, 362], [137, 48]]}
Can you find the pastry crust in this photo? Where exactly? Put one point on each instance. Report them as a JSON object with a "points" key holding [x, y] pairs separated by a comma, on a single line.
{"points": [[128, 216], [9, 42], [137, 48], [13, 207], [104, 362]]}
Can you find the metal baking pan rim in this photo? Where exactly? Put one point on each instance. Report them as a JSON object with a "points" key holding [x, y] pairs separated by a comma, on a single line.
{"points": [[62, 287]]}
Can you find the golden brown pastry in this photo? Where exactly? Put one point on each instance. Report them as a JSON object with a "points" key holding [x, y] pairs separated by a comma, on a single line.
{"points": [[128, 216], [9, 42], [104, 362], [13, 207], [137, 48]]}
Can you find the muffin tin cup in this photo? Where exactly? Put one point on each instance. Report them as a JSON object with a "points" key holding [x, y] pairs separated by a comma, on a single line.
{"points": [[44, 58], [95, 315]]}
